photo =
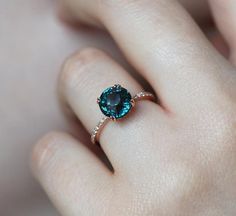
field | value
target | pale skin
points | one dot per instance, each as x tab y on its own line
30	63
173	158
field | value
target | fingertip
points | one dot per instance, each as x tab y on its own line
44	151
68	172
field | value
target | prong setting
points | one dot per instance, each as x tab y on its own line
113	118
117	86
132	102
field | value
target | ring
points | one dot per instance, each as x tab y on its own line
115	103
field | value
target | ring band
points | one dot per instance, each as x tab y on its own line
115	102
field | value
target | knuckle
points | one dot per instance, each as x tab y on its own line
219	133
76	66
44	150
180	180
183	173
188	182
217	123
227	134
225	120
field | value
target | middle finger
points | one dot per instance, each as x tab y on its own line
84	77
162	41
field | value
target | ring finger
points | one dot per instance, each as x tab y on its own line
85	75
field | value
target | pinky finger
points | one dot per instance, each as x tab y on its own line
74	179
225	15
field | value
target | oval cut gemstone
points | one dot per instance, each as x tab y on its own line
115	102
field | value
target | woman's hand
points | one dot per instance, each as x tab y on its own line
175	158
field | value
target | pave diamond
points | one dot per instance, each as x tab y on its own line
115	102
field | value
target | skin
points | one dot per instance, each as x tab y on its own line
173	158
28	110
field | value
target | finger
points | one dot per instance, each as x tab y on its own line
161	40
85	75
71	175
199	10
225	16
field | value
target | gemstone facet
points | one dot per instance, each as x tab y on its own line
115	102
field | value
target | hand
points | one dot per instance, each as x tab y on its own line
175	158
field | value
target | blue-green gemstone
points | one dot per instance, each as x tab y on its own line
115	102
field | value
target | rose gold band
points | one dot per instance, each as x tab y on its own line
97	130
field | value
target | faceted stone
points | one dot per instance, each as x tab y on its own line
115	102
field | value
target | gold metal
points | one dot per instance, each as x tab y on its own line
132	102
113	118
116	86
144	96
97	130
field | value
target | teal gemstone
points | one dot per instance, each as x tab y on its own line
115	102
